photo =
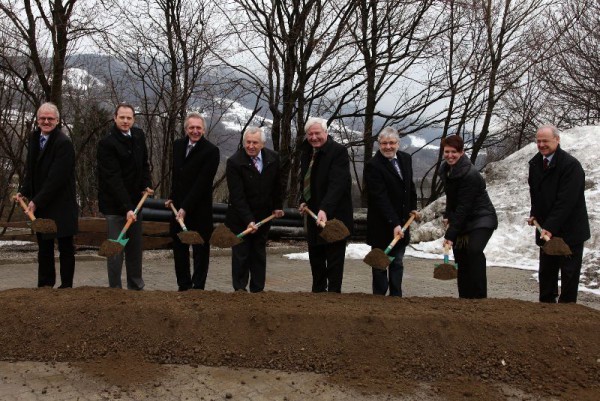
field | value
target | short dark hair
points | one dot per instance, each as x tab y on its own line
454	141
124	105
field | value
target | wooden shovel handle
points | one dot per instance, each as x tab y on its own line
404	228
180	221
24	206
260	223
539	228
314	216
136	211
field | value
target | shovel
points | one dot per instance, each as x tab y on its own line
554	246
446	270
223	237
112	247
333	231
379	259
186	236
42	226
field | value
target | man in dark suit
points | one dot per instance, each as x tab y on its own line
50	184
195	163
392	197
123	176
254	182
556	187
326	189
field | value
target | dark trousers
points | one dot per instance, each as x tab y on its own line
181	254
327	266
570	269
472	279
391	277
46	269
132	253
249	261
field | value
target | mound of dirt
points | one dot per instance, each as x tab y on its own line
384	345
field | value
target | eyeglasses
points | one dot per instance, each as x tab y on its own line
49	119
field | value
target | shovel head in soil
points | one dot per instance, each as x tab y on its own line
190	238
446	270
44	226
223	237
378	259
556	246
112	247
334	231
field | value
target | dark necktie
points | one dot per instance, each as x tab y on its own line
397	167
546	163
189	149
306	191
43	140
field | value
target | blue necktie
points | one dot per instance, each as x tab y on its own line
43	140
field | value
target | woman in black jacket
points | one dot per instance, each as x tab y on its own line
470	215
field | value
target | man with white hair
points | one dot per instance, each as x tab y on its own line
195	163
255	192
556	187
326	189
49	183
392	197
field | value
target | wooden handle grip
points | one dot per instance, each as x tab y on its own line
260	223
25	209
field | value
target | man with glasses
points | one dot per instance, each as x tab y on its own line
392	197
49	183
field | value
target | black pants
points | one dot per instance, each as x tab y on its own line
327	266
570	269
472	279
392	276
249	261
46	269
181	254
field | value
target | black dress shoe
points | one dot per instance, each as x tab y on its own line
65	286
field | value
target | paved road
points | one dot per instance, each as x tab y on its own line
284	275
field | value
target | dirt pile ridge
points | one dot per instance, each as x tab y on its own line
379	344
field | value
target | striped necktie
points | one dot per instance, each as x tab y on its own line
306	191
256	164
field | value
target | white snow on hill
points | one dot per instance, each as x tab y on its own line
513	245
81	79
418	142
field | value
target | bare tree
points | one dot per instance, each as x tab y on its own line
162	47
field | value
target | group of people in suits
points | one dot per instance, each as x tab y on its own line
255	192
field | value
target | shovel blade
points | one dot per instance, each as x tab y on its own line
122	241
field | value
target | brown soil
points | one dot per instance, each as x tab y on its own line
557	247
382	345
110	248
377	258
190	237
334	231
222	237
44	226
445	271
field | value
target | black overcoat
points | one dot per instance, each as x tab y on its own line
468	205
391	198
252	195
557	197
123	171
331	185
50	181
192	183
